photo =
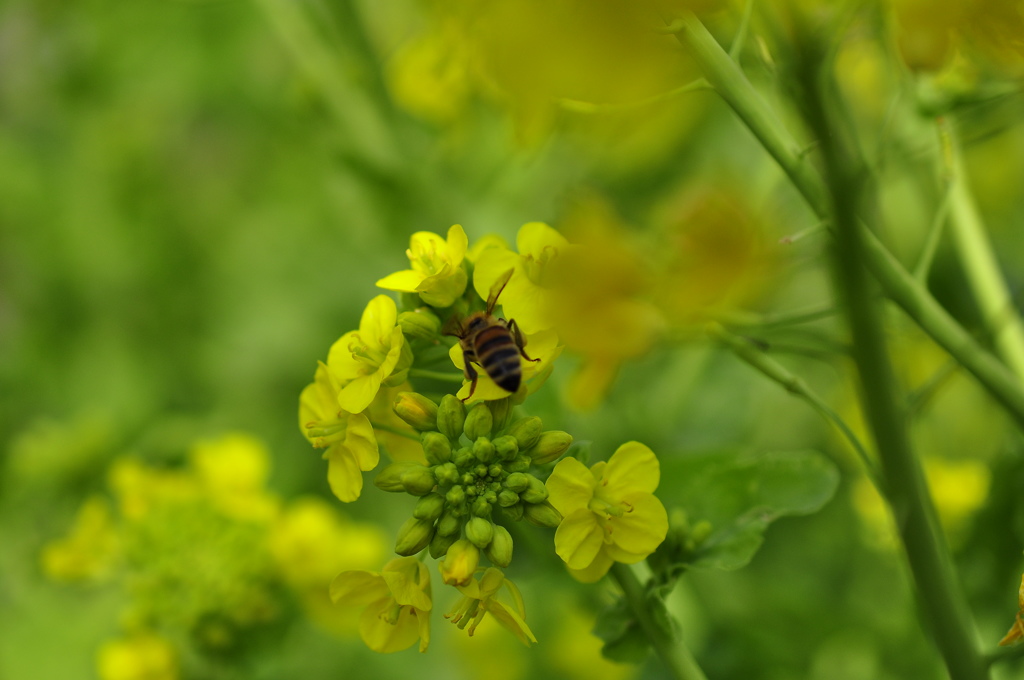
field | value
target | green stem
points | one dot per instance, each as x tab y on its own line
795	386
940	596
446	376
982	268
900	286
673	653
780	319
394	430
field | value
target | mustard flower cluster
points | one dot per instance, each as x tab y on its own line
438	383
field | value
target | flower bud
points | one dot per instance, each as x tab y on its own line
414	536
501	412
507	497
526	431
514	512
460	563
456	495
418	480
499	551
479	531
478	423
417	410
550	445
535	492
463	458
451	416
506	447
449	525
481	507
429	507
483	450
520	464
421	324
518	481
439	544
446	474
542	514
494	471
436	447
390	477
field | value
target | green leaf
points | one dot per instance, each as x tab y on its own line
740	494
624	639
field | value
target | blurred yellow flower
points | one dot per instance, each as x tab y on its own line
522	300
233	471
89	551
575	652
396	603
610	511
142	656
437	273
480	597
361	361
348	438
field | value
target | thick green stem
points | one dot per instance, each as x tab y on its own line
939	594
899	285
446	376
974	250
674	653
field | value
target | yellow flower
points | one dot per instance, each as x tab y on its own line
480	597
1017	630
348	438
233	470
523	298
610	511
90	549
437	273
144	656
542	345
396	603
360	361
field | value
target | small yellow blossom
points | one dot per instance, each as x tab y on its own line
610	511
480	597
144	656
542	345
90	549
1016	632
361	361
437	273
396	603
523	298
348	438
233	470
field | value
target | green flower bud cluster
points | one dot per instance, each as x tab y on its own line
478	471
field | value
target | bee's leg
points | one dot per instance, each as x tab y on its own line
471	376
520	341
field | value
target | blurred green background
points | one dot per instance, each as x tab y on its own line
196	199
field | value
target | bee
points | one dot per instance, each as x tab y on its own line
494	343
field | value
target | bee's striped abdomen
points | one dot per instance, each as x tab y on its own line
497	353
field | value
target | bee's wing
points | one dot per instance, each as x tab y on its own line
499	285
453	326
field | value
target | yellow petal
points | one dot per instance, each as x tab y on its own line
591	383
570	486
341	365
358	588
491	264
343	475
482	244
457	244
359	393
597	569
534	237
512	622
406	281
384	637
361	443
406	591
633	467
579	538
641	529
378	320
